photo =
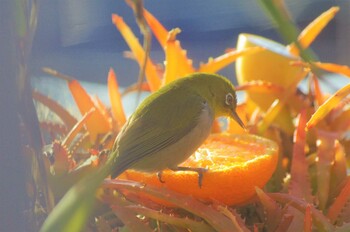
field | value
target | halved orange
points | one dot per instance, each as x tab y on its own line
273	64
235	163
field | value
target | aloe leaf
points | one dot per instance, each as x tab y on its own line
74	208
279	14
211	215
325	160
234	217
339	170
76	129
300	185
218	63
339	204
273	211
308	219
138	51
129	216
285	223
328	105
115	99
61	112
320	221
97	123
72	211
343	228
188	223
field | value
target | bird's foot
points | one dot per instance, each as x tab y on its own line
200	172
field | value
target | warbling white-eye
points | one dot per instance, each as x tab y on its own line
172	123
164	131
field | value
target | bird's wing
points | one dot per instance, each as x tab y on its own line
150	133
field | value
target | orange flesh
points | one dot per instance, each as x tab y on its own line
235	163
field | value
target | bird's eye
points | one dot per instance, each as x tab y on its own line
229	99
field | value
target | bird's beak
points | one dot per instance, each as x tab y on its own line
235	116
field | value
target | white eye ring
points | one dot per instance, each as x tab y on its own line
229	99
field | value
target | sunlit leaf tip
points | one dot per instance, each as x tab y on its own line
115	98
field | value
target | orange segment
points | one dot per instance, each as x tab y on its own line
235	163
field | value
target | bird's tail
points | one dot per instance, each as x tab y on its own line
116	172
114	165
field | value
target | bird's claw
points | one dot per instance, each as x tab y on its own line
199	171
159	175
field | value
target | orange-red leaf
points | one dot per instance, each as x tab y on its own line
340	122
273	211
308	35
308	219
319	219
339	203
300	185
136	87
276	108
115	98
335	68
317	91
62	163
339	169
136	48
214	65
97	122
128	216
286	222
157	28
76	128
234	217
260	86
103	109
325	156
171	64
211	215
328	105
177	63
61	112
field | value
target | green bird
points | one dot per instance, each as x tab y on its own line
172	123
163	132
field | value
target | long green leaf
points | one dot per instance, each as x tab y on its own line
71	213
279	14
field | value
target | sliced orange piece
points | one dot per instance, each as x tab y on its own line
235	163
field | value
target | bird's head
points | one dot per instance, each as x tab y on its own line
221	95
